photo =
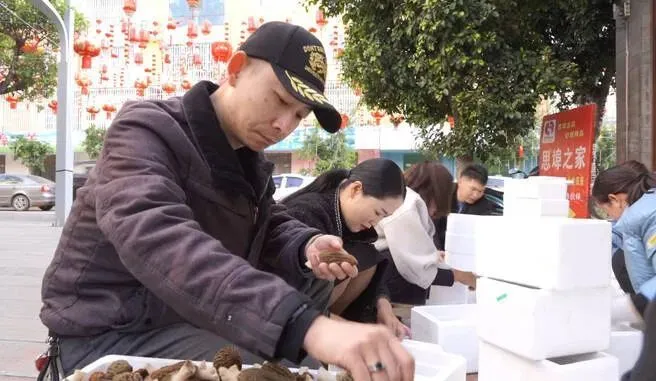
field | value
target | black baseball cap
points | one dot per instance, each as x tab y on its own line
299	61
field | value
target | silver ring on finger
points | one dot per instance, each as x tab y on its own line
376	367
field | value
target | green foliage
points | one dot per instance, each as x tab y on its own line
606	147
329	151
32	153
485	62
30	74
93	141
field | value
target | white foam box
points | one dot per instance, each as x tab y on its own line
461	262
539	324
535	187
548	252
495	364
459	243
535	207
453	327
625	344
463	224
456	294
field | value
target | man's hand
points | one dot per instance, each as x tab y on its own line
387	318
322	244
357	347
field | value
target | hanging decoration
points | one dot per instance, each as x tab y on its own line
221	51
53	105
109	109
396	119
87	50
377	115
345	121
93	110
129	7
12	100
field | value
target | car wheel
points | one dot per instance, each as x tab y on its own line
20	202
45	208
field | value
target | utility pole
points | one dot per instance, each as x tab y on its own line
64	156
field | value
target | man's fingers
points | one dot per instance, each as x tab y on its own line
350	270
404	359
337	271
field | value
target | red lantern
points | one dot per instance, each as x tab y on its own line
520	152
144	38
452	122
30	46
221	51
129	7
186	85
192	30
13	101
53	105
109	109
197	60
252	27
167	58
396	119
141	86
168	88
206	28
93	110
87	50
321	19
84	82
377	115
312	29
193	3
138	58
171	25
345	121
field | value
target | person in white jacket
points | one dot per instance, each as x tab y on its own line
408	237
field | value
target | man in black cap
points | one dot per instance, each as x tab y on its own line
162	253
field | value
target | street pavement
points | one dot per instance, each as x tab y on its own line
27	242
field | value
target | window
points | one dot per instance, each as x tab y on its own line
8	180
277	180
294	182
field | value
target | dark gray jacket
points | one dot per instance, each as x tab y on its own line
171	226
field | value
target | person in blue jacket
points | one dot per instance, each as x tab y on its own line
628	196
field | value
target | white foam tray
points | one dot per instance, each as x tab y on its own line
534	207
495	364
625	344
453	327
431	363
456	294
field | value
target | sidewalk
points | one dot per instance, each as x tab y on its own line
26	248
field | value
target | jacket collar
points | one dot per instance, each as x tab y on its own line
245	169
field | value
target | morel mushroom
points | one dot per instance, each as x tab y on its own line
98	376
250	374
166	371
206	372
227	357
186	371
118	367
338	257
127	376
229	374
276	371
344	376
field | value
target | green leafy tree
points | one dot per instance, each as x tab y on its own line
28	45
484	62
329	151
477	60
93	141
32	153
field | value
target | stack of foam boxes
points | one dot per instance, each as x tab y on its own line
460	254
544	299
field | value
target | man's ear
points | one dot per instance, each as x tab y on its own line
236	64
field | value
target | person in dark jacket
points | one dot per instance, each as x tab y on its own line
161	255
407	237
645	367
349	204
468	198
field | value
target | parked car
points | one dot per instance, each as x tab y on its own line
288	183
22	192
81	171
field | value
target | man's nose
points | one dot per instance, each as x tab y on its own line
285	124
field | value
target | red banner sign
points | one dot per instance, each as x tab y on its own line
566	151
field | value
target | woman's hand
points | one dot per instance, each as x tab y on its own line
387	318
465	277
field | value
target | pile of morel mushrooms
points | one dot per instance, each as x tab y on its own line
227	366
